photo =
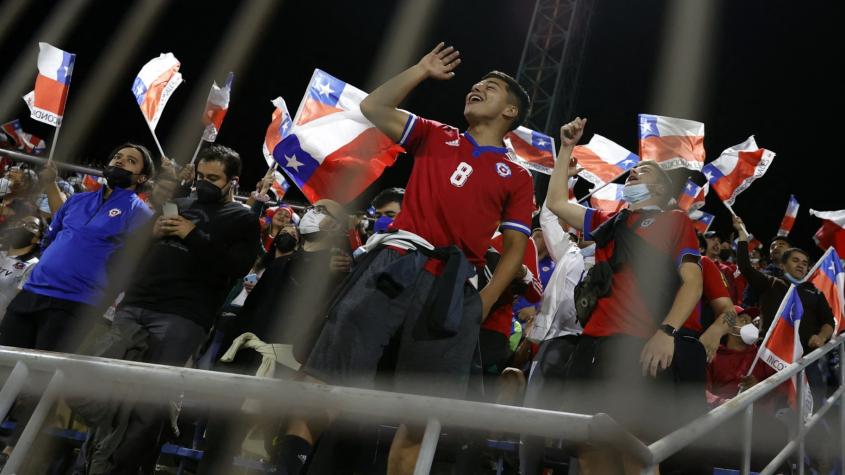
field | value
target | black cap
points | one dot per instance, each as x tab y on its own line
710	234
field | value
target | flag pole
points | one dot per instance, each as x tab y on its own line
591	193
197	151
53	145
155	138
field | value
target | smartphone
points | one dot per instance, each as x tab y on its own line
251	278
170	210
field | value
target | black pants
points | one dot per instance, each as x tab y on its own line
172	341
45	323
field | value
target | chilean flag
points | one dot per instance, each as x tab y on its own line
155	84
671	142
23	141
279	186
829	277
692	197
533	149
603	160
781	346
832	232
333	151
789	217
701	220
278	129
608	198
93	183
216	108
736	168
47	101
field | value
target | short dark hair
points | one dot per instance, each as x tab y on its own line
389	195
517	93
220	153
149	167
789	252
780	238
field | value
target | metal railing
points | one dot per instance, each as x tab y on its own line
82	376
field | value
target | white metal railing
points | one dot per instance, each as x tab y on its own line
84	376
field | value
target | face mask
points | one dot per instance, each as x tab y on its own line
791	279
208	192
634	194
117	177
382	223
285	243
589	251
725	255
749	333
310	223
18	238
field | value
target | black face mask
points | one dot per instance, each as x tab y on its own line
285	243
725	255
208	192
18	238
117	177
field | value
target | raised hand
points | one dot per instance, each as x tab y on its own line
441	62
571	133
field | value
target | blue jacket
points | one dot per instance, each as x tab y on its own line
84	234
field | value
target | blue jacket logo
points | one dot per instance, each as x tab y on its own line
114	212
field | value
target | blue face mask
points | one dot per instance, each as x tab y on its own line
382	223
634	194
791	279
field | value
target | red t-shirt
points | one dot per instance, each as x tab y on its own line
501	318
735	287
728	368
459	192
623	310
714	287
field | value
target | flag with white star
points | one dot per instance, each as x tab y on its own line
332	150
23	141
789	217
47	101
603	160
701	220
692	197
829	277
736	168
155	84
671	142
534	150
279	128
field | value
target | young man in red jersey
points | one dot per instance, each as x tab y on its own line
463	188
645	284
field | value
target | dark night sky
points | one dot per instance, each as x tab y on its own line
772	74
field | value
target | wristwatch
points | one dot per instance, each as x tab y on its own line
669	330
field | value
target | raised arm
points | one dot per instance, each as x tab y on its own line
380	107
557	199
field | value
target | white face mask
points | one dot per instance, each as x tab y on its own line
589	250
749	333
310	222
634	194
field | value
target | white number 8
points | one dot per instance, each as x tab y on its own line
459	177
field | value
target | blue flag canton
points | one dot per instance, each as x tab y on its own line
712	173
793	310
66	68
139	89
691	189
706	218
297	163
326	88
541	141
831	266
629	162
648	126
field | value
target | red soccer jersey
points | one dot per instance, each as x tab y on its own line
460	192
714	287
623	311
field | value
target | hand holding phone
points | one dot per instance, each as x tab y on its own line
170	210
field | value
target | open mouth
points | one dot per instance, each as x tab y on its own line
474	98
